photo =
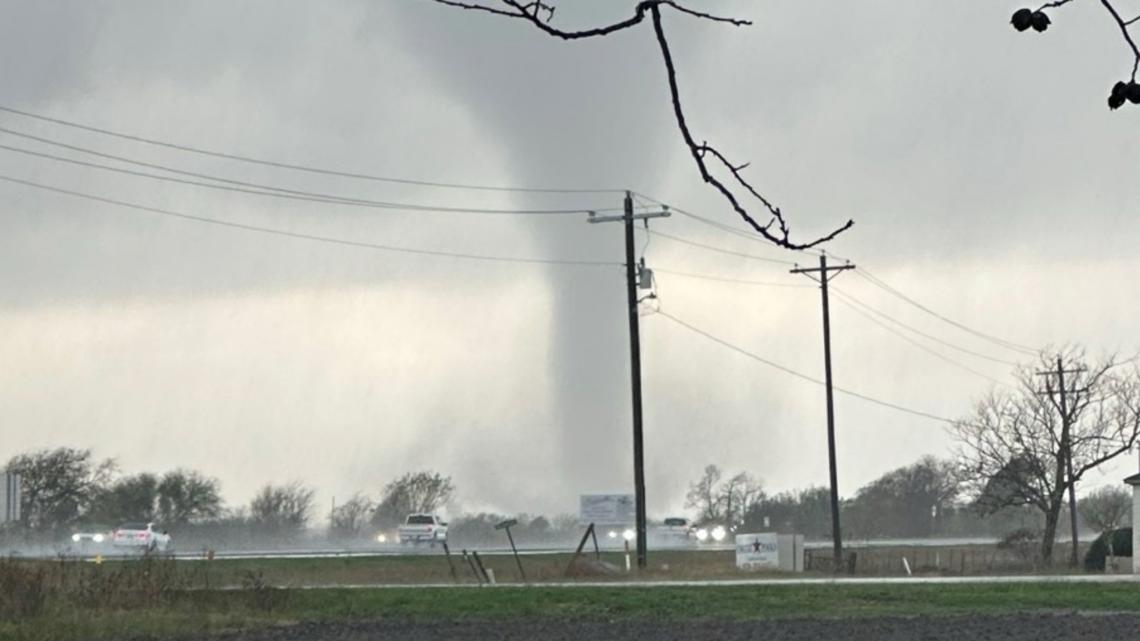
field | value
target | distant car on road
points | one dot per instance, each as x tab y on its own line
422	528
142	537
712	533
676	529
83	537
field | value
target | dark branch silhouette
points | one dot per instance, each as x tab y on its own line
479	7
776	228
1127	35
1122	91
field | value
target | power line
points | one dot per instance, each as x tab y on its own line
862	272
297	167
713	248
792	372
920	345
279	192
723	279
852	300
289	234
1010	345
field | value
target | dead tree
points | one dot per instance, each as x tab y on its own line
1016	449
774	227
1038	20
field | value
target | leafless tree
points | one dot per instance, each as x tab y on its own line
1105	510
349	518
738	495
419	492
1015	449
704	497
774	226
282	509
724	501
1039	21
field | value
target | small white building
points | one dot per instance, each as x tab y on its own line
1134	481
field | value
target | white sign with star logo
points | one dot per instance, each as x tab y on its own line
757	551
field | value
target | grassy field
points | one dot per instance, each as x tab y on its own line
435	569
183	613
73	599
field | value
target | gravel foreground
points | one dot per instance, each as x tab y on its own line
1027	627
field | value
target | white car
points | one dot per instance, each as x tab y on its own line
422	528
143	537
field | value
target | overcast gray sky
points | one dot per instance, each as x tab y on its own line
986	177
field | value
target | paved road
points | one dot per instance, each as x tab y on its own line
108	552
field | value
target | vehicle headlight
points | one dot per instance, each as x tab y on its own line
629	535
75	537
718	533
381	538
612	534
702	534
98	538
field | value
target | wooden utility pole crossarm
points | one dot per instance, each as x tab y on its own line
823	275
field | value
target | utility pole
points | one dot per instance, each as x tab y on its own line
633	269
1066	447
824	272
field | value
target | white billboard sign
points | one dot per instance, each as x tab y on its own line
609	509
758	551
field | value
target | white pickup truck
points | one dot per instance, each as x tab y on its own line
422	528
676	530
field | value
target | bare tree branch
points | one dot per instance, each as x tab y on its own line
1127	36
1039	20
479	7
521	12
776	228
697	14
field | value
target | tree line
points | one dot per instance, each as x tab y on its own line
68	489
1019	457
926	499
